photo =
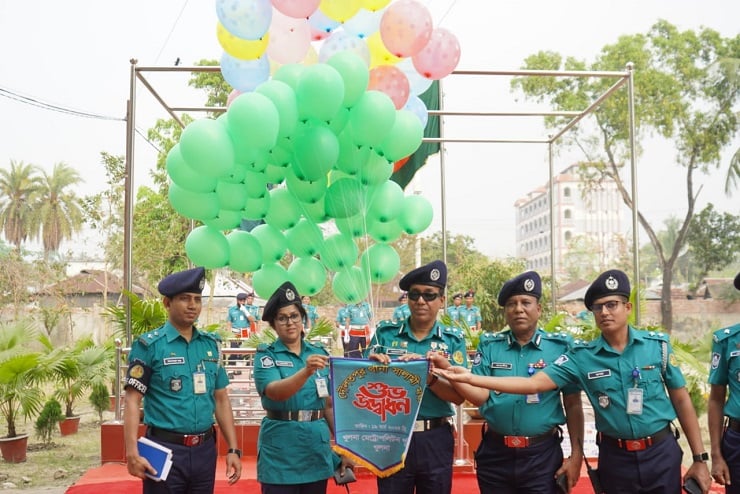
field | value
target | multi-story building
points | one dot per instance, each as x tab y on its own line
593	217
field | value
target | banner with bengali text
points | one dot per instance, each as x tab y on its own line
375	407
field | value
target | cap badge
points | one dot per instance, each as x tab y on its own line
434	275
611	283
290	294
528	285
202	283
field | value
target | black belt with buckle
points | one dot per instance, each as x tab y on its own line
519	441
178	438
423	425
638	444
733	425
295	415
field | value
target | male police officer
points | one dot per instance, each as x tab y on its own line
238	321
625	374
520	451
358	316
428	464
402	311
724	434
470	313
454	310
178	369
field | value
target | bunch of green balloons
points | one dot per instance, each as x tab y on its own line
306	148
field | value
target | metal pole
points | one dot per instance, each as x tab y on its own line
117	384
442	186
552	226
633	169
128	205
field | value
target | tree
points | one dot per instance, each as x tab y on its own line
57	212
18	187
714	240
680	97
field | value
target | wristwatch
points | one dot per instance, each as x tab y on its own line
238	452
704	457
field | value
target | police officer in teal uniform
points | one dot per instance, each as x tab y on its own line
428	464
470	313
359	316
454	310
237	319
724	412
401	312
520	452
253	312
178	368
636	388
292	377
312	315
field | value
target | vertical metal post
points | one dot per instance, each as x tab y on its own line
633	168
552	224
117	384
128	205
443	185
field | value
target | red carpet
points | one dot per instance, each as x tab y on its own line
112	478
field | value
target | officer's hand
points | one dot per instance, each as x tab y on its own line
438	360
455	373
316	362
233	468
720	471
409	356
700	472
138	466
380	357
572	470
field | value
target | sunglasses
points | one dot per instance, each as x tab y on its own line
427	296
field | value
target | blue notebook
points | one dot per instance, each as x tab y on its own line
159	457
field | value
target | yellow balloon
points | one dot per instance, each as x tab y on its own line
379	54
340	10
374	5
243	49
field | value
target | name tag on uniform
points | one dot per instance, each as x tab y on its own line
321	388
634	401
501	365
199	383
174	361
395	351
599	374
283	363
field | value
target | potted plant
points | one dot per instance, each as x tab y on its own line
48	419
21	373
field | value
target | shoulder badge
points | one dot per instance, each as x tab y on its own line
724	333
148	338
458	357
453	331
655	335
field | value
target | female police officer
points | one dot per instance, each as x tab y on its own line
291	375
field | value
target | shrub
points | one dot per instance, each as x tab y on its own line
48	419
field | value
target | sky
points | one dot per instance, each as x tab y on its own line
76	55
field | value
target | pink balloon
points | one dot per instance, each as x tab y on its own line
391	81
439	57
296	8
289	39
405	28
232	96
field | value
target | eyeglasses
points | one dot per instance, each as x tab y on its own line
610	306
295	318
427	296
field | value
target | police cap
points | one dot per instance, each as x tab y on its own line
737	281
612	282
403	296
434	274
470	293
285	295
456	296
241	296
528	283
188	281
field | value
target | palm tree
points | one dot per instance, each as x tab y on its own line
58	211
18	187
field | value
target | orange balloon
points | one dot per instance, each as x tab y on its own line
399	164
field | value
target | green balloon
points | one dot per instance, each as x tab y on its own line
289	74
354	72
416	214
255	159
384	232
184	176
272	241
354	226
282	154
315	151
371	118
305	190
344	198
268	278
226	220
405	136
256	208
385	202
351	156
275	174
340	121
283	97
193	205
376	170
339	252
380	262
207	247
284	210
350	285
254	120
255	184
319	93
246	251
305	239
231	196
315	211
207	148
236	174
308	275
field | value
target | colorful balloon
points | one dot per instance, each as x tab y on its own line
379	54
296	8
243	49
391	81
248	19
289	38
439	57
406	27
364	23
339	41
245	75
339	10
207	247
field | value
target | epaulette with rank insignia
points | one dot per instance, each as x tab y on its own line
386	324
724	333
560	337
656	335
148	338
261	347
579	344
451	330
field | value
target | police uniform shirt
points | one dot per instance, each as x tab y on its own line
501	355
471	316
725	369
454	312
342	315
359	314
253	310
162	367
606	376
291	452
401	312
396	339
238	317
311	314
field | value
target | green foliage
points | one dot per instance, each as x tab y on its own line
100	399
266	336
48	419
146	315
714	239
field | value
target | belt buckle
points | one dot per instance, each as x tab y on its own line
516	441
304	415
191	439
419	426
635	444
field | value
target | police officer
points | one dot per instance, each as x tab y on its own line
454	310
428	464
724	414
238	320
178	369
253	314
636	387
402	311
358	320
520	451
312	314
292	378
470	313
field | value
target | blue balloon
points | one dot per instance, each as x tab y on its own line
245	75
246	19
